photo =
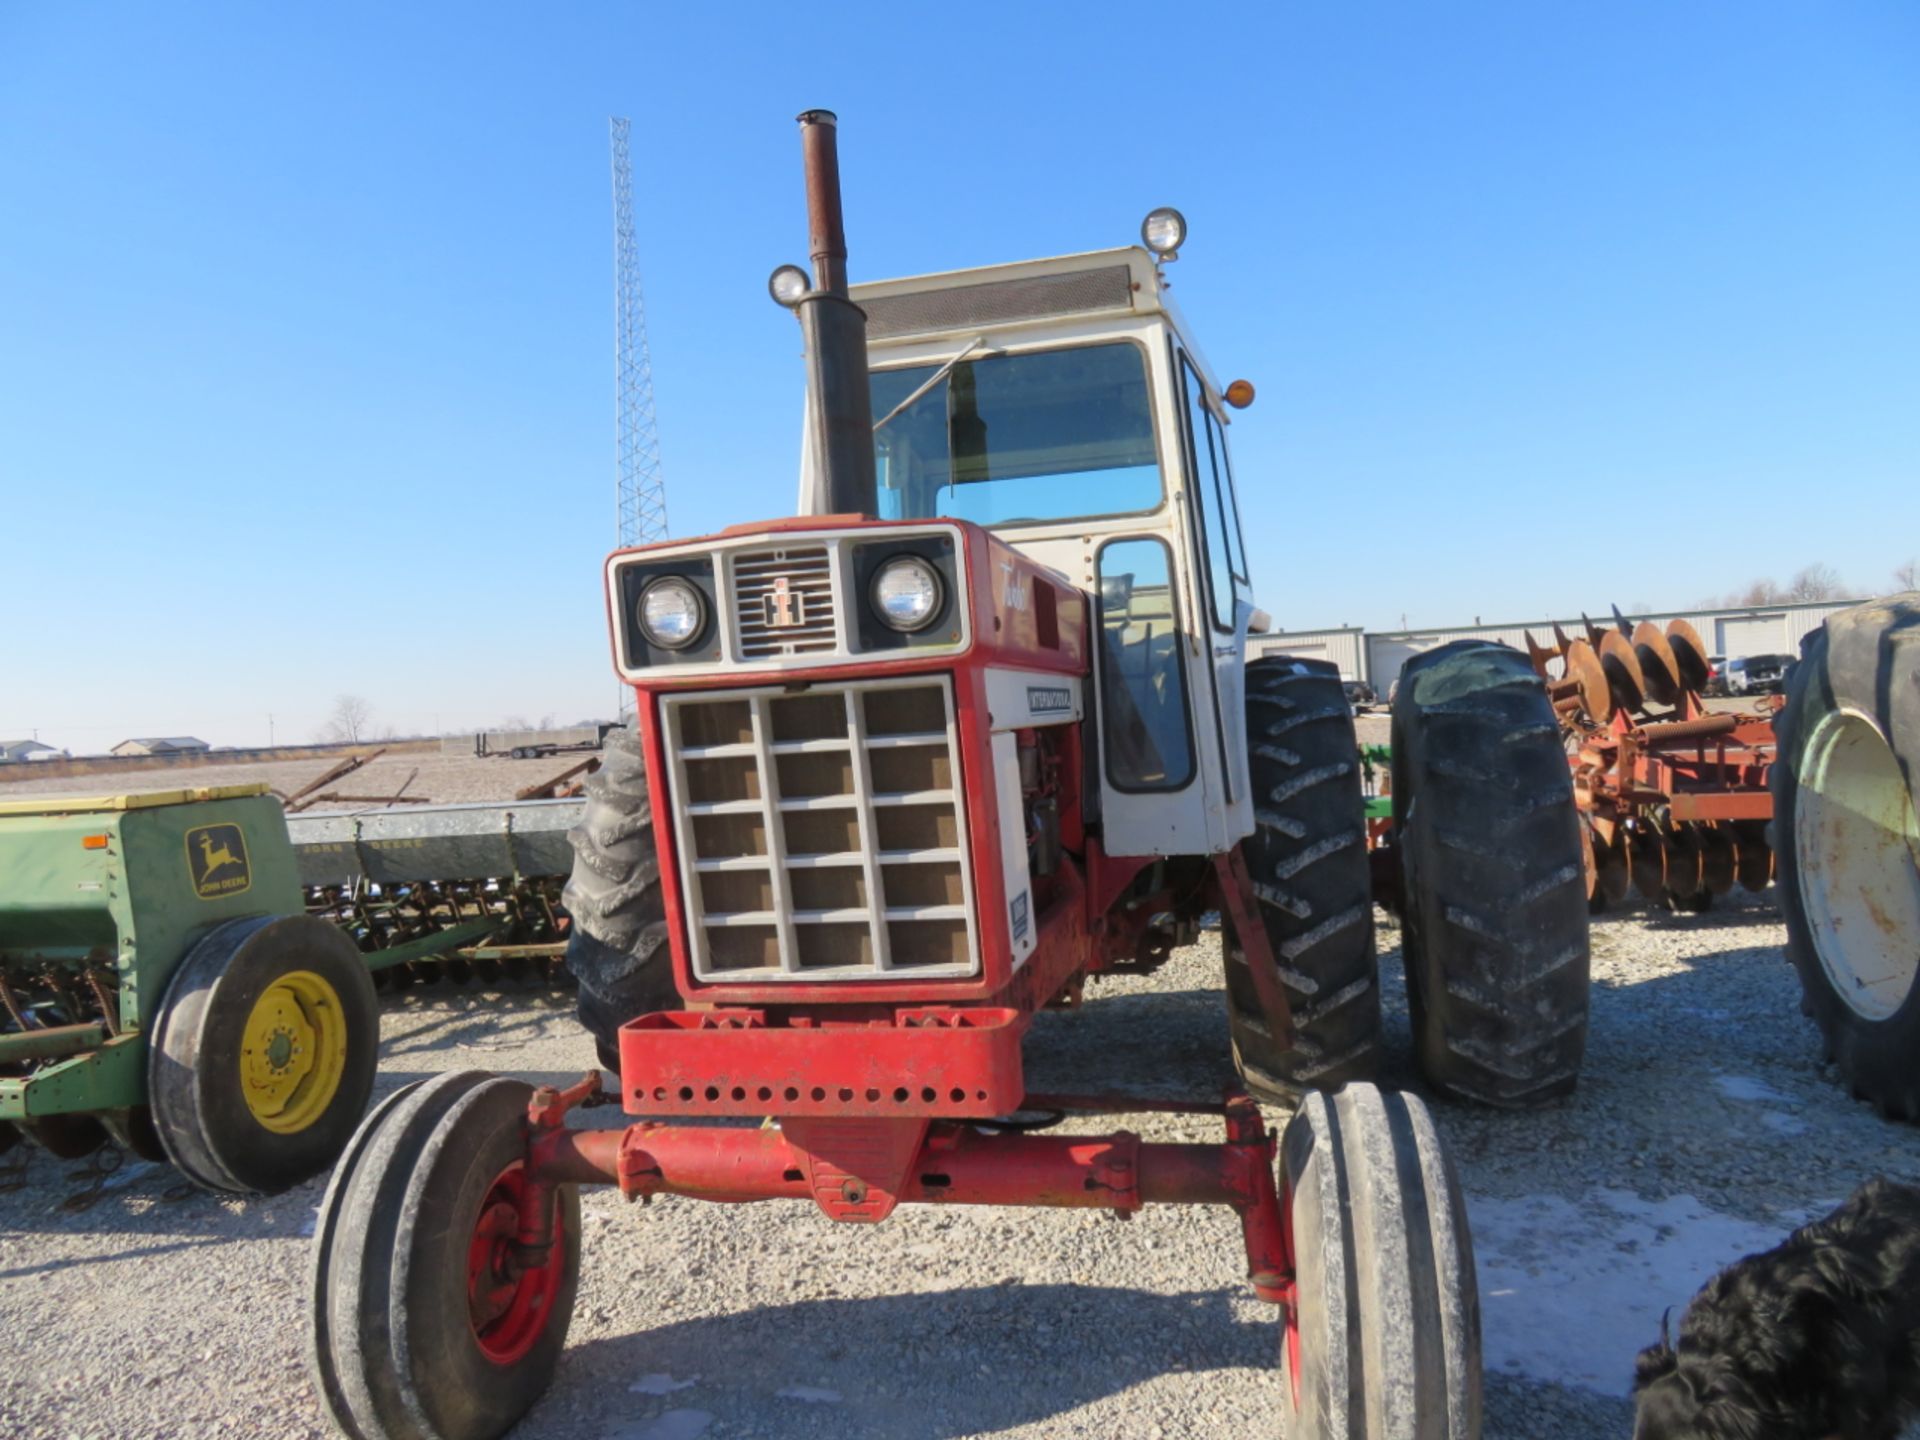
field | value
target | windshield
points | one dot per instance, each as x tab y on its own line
1007	439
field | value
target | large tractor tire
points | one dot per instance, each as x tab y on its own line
1493	869
425	1326
617	949
1308	860
1384	1339
1847	846
263	1053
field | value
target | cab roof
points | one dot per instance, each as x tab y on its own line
1093	285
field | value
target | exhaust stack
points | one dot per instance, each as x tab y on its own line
839	405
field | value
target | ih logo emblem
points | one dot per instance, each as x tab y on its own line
786	606
217	861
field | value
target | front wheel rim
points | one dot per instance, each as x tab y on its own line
509	1304
1857	849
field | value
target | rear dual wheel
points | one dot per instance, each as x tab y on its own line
1313	889
1493	862
1383	1341
427	1323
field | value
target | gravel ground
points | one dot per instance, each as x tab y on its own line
1704	1128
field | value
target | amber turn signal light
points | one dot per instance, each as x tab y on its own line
1240	394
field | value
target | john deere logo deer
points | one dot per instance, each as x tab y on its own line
217	861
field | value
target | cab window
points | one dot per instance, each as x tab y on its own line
1143	680
1213	492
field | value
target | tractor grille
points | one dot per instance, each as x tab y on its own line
783	601
822	834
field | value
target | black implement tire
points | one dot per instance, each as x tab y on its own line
405	1345
618	948
1388	1311
222	1120
1847	845
1494	876
1308	860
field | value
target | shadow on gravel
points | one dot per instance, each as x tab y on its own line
477	1024
138	1252
914	1367
1522	1409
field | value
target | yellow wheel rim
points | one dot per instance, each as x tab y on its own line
293	1052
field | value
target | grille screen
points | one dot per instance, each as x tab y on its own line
998	301
783	601
822	834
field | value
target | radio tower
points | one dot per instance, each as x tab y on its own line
641	505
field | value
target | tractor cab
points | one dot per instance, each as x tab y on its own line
1063	405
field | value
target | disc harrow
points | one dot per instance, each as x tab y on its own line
1674	798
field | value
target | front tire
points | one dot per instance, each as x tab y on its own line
618	946
1493	866
1312	883
421	1330
1385	1339
1847	845
263	1053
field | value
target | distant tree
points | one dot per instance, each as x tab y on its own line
1907	576
350	721
1815	582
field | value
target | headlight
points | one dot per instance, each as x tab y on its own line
672	613
789	285
906	593
1164	231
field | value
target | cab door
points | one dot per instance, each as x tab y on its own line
1225	600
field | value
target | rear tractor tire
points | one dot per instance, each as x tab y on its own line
1307	857
424	1325
1847	845
1493	868
1384	1339
263	1054
617	949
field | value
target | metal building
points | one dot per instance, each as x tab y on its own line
1345	647
1377	656
1732	632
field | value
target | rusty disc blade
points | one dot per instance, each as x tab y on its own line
1647	858
1658	663
1689	653
1753	857
1683	863
1717	859
1623	670
1615	869
1539	656
1584	668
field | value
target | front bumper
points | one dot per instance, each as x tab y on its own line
917	1063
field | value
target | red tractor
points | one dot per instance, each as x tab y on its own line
913	766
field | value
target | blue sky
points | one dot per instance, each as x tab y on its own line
305	312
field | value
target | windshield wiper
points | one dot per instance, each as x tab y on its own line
932	380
